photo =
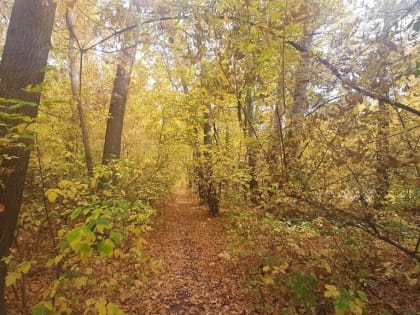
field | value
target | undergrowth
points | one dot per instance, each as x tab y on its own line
89	238
316	267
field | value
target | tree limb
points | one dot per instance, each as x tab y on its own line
364	223
360	89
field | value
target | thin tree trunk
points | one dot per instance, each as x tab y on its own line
198	170
252	152
23	63
208	181
382	154
382	135
75	79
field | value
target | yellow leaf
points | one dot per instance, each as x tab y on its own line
61	8
54	287
268	279
113	309
51	195
355	308
140	242
61	305
12	277
332	291
118	253
107	193
326	266
57	259
266	268
100	306
135	230
412	282
80	282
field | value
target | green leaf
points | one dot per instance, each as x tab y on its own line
101	224
48	103
75	214
113	309
85	250
24	266
43	308
106	247
74	236
362	296
115	236
28	136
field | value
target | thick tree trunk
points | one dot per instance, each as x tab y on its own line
115	122
75	78
298	107
23	63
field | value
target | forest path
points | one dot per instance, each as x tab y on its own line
195	277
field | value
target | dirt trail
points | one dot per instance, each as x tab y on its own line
195	278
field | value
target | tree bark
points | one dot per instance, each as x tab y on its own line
208	181
23	64
115	122
382	154
382	183
298	108
252	151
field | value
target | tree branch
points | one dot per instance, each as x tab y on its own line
365	224
128	28
361	90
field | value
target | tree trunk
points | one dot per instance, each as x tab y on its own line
115	122
75	79
382	154
382	182
208	181
198	172
23	63
298	108
252	151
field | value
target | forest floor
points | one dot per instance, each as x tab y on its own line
196	277
186	268
194	273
